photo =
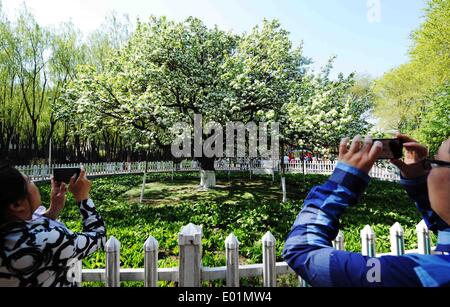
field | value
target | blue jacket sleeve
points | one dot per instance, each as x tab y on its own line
308	249
417	189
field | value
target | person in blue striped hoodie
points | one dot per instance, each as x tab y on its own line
308	249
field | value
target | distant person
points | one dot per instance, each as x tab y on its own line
291	158
35	249
308	249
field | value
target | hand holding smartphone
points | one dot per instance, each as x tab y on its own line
392	148
65	173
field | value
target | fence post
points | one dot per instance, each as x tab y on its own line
423	238
269	268
112	263
338	242
283	187
302	283
151	262
141	197
232	256
397	240
368	242
190	243
75	273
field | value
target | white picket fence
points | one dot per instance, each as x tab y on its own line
191	273
388	173
40	173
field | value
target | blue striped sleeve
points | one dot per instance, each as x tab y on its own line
308	248
318	221
417	189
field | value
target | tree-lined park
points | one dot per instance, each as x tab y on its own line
116	97
114	94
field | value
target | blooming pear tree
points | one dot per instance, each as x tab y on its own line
170	72
323	111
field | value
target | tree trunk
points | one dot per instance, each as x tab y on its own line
77	148
207	173
35	139
283	173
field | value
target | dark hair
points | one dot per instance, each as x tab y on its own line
13	187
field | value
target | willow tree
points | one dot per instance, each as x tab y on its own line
413	96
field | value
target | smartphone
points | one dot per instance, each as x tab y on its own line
392	148
65	173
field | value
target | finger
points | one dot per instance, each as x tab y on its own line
399	163
72	180
63	188
375	151
343	147
61	194
82	175
415	151
53	182
356	144
368	142
414	146
405	138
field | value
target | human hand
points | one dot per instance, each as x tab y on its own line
411	166
57	199
81	187
359	155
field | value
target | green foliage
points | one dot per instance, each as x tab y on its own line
431	42
324	111
167	72
435	127
382	205
36	64
414	97
170	71
399	101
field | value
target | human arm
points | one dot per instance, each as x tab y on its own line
57	200
308	248
414	180
79	245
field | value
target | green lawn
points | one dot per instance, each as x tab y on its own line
227	191
248	208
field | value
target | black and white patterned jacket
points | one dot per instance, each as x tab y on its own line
40	252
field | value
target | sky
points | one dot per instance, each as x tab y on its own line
367	36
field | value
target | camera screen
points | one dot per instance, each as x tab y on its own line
64	174
392	149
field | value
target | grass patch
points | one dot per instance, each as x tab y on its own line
248	208
227	191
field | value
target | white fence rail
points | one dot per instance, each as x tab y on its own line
389	173
191	273
43	172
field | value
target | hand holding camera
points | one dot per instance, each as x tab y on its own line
364	156
360	155
57	199
411	166
80	187
76	178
